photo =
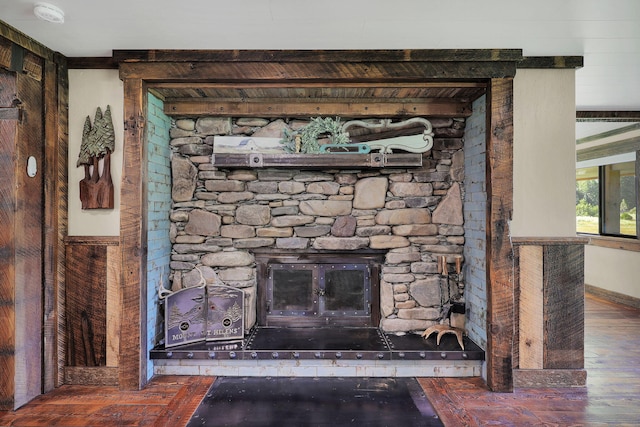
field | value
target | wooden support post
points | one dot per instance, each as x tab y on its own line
500	287
133	343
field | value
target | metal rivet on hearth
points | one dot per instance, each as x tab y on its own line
338	355
190	355
212	355
275	355
401	355
254	355
296	355
232	355
380	356
170	354
465	356
318	355
359	356
422	355
443	355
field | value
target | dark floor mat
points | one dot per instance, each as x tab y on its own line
303	401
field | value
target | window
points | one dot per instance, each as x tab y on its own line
607	197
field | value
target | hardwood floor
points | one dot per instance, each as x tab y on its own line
611	398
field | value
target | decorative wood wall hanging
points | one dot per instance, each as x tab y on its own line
98	142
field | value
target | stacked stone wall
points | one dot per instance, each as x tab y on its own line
219	216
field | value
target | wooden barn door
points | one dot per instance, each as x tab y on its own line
21	237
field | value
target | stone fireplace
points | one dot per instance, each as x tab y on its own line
253	227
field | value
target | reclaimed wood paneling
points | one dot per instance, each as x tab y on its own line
86	304
21	220
564	306
551	310
44	74
92	310
500	286
55	211
531	301
29	243
8	146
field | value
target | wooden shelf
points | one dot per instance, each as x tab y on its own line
317	161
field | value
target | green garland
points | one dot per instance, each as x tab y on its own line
305	140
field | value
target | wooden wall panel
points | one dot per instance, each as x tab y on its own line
29	242
86	299
564	306
92	310
551	312
8	134
531	324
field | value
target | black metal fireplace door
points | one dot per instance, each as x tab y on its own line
318	294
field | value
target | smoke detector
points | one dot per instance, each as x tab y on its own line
48	12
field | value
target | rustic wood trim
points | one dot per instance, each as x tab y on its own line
334	85
114	311
612	116
93	240
61	143
8	180
548	241
549	378
98	375
28	43
92	63
622	243
313	71
551	62
346	108
500	285
406	55
132	373
613	296
55	211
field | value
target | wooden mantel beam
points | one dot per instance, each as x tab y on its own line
295	108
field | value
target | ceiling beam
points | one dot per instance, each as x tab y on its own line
295	108
310	72
323	56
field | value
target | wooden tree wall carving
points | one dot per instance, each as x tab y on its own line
98	142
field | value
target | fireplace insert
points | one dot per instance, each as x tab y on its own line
318	289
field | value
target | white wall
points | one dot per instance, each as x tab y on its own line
614	270
544	156
88	90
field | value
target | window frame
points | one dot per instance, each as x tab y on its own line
600	149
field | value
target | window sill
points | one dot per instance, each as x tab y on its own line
614	242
